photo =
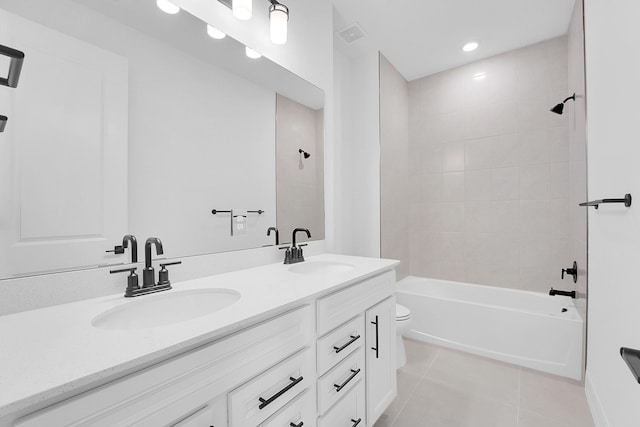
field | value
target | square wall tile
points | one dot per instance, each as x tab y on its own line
453	157
453	188
534	182
478	185
453	216
505	184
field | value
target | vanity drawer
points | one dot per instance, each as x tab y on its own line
335	309
300	412
337	382
338	344
258	399
349	412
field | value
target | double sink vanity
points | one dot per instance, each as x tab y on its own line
311	344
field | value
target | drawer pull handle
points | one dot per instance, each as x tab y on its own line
377	340
356	422
296	425
352	376
353	339
265	402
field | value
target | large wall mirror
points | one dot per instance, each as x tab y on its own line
127	120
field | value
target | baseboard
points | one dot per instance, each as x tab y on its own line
595	405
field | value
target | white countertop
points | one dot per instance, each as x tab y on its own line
52	351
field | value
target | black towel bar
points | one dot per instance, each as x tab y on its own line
595	203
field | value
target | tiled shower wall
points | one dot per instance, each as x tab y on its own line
489	171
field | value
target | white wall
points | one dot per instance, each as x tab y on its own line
613	153
358	139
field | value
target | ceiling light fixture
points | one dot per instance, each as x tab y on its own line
167	7
242	9
470	47
251	53
215	33
278	18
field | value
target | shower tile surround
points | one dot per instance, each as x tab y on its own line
489	188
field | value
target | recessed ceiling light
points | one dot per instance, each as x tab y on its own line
470	47
167	7
215	33
251	53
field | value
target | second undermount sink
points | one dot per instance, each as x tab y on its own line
321	267
165	309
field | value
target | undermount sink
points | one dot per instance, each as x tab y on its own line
321	267
165	309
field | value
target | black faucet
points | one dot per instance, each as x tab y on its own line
148	275
129	238
571	294
299	230
294	254
277	234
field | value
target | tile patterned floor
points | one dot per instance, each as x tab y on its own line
439	387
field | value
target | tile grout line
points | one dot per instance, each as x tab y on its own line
414	388
519	392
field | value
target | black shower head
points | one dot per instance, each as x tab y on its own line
3	122
558	109
306	155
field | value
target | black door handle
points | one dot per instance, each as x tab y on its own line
296	425
265	402
353	339
377	341
356	422
352	376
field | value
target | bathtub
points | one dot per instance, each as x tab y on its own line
529	329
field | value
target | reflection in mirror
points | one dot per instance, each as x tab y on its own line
300	172
131	121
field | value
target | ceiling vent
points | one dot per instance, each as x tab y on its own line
351	33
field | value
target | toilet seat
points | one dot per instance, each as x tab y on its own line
402	313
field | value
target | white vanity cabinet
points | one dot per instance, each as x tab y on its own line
357	380
330	362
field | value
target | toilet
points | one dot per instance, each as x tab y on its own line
403	321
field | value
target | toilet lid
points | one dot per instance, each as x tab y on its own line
402	312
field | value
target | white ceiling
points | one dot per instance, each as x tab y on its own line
422	37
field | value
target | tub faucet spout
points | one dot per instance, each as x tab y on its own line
554	292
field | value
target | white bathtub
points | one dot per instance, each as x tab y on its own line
524	328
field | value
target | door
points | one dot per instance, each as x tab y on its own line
63	155
380	357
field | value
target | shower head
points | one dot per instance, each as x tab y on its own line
3	122
304	153
558	109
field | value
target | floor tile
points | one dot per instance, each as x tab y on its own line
419	356
529	419
477	375
555	398
442	406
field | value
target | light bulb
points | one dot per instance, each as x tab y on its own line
278	17
251	53
242	9
167	7
215	33
471	46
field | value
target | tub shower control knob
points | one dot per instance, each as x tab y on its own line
571	271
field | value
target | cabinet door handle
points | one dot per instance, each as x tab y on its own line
352	376
296	425
377	341
353	339
265	402
356	422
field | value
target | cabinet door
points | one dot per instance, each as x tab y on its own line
380	357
